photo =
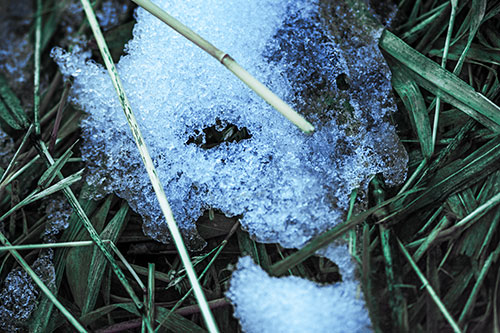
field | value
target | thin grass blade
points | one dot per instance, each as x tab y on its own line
36	76
478	106
148	163
430	290
98	262
11	106
43	287
225	59
48	176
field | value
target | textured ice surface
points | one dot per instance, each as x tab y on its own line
58	212
6	149
287	185
15	46
19	294
108	14
292	304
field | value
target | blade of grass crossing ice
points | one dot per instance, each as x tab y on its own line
322	240
148	163
42	285
230	64
77	208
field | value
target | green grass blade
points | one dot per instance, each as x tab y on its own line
6	116
76	324
477	52
322	240
491	232
453	14
61	185
19	172
78	260
414	102
205	270
496	320
467	221
492	258
36	76
427	241
478	106
77	208
148	163
11	106
98	263
411	35
478	10
175	322
75	244
41	319
151	295
127	265
457	176
48	176
16	155
429	289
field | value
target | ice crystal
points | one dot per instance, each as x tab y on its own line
6	149
15	46
58	212
19	296
292	304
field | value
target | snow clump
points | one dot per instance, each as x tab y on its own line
292	304
288	186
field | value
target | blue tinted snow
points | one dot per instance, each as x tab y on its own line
288	186
292	304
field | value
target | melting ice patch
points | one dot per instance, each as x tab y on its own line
288	186
291	304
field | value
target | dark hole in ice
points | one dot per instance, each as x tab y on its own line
210	137
342	82
214	223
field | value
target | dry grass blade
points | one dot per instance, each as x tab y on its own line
261	90
148	163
